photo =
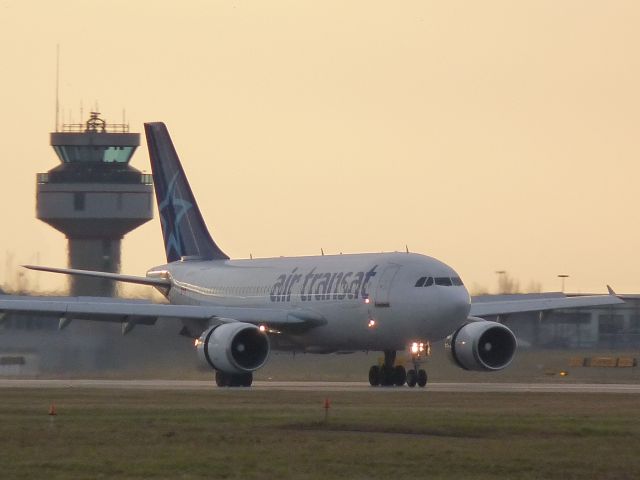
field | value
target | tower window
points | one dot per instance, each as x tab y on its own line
79	201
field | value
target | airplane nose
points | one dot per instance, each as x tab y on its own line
458	303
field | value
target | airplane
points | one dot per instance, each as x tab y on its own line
237	311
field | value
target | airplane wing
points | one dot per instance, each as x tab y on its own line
145	312
507	304
141	312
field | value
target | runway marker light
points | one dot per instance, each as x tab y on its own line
326	406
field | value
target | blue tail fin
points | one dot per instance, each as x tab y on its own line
183	228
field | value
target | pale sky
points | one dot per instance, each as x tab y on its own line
493	135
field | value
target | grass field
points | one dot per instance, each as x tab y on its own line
270	434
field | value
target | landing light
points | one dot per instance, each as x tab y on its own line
367	301
262	328
372	323
197	342
420	348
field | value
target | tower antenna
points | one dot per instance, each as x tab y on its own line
57	85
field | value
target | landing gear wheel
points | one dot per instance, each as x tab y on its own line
399	376
246	379
374	376
422	378
386	376
223	379
412	378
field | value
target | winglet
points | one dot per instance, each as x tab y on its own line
611	292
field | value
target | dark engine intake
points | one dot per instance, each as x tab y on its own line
233	347
482	346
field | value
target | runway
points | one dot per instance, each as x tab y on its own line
326	386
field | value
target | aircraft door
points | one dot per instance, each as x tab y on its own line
384	285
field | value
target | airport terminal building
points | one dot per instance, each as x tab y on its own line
614	327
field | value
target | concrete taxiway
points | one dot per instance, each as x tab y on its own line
326	386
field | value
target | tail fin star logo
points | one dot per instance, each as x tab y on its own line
172	209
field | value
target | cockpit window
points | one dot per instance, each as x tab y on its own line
457	281
443	281
424	282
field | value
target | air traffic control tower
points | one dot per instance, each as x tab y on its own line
94	197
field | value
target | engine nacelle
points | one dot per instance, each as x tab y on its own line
233	347
482	346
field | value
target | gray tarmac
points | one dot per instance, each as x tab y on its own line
326	386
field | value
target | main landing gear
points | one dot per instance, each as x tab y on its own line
224	379
388	374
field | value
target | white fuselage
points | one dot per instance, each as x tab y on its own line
366	301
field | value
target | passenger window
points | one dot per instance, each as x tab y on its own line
443	281
420	281
429	282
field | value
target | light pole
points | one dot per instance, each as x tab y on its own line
500	274
563	276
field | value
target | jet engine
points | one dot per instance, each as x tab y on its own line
233	348
482	346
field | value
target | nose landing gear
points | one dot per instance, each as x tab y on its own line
419	353
417	376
